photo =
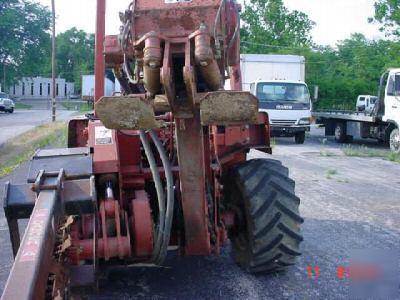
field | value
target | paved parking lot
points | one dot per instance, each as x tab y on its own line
12	125
347	203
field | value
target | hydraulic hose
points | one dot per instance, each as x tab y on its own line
170	196
160	195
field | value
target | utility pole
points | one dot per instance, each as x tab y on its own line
53	63
3	88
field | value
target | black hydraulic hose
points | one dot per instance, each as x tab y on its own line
160	195
170	195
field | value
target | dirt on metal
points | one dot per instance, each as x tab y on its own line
126	113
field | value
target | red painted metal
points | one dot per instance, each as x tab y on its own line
173	43
142	225
192	168
99	57
233	33
78	133
110	219
112	247
113	51
34	261
193	188
175	40
173	19
105	149
162	38
112	243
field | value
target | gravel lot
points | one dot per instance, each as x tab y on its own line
347	203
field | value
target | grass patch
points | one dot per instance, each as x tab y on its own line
326	153
395	157
363	151
273	142
22	106
78	106
343	180
21	149
330	173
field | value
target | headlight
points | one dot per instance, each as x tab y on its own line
304	121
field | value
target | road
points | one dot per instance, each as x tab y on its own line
347	203
12	125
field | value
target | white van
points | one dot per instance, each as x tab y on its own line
366	103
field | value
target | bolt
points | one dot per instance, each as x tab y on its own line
203	63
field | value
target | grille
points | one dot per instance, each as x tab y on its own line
283	122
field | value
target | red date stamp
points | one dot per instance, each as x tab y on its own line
356	272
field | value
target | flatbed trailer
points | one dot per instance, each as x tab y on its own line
346	125
382	123
346	115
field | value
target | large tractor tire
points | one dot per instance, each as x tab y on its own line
266	236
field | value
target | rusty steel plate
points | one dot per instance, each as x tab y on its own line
228	108
126	112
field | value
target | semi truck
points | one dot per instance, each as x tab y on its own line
278	81
381	123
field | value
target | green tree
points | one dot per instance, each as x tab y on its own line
387	12
352	69
75	55
24	31
270	22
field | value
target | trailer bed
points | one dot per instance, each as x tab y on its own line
346	115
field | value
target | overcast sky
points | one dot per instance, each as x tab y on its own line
336	19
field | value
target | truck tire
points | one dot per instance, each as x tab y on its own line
300	137
395	140
11	110
340	133
266	236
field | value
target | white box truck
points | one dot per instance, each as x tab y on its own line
88	84
278	81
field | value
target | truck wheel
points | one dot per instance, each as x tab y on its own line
11	110
340	133
349	139
395	140
300	137
266	236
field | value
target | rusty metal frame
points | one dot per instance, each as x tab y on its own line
34	261
99	57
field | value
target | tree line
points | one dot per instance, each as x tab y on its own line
25	45
351	68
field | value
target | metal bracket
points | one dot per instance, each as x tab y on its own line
49	181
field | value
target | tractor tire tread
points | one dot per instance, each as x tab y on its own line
272	216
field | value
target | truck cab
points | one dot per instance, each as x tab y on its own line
279	83
391	106
288	104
